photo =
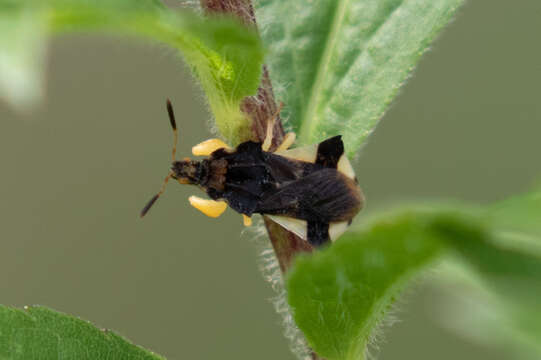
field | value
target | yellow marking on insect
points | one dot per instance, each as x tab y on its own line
267	143
306	153
207	147
268	138
246	220
344	166
289	139
211	208
296	226
336	229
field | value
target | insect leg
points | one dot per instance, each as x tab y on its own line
289	139
209	146
268	138
211	208
246	220
318	233
270	129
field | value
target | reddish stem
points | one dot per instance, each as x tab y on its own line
261	108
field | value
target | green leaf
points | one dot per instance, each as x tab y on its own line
226	57
517	221
340	294
40	333
509	272
515	274
338	65
23	35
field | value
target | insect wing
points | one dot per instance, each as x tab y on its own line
304	153
296	226
309	153
336	229
299	227
325	195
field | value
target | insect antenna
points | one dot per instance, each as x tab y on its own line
173	154
155	197
174	126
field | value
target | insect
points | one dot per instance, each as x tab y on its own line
312	191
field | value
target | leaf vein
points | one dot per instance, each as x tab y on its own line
307	118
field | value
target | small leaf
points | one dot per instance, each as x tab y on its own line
340	294
23	39
338	65
515	274
509	265
40	333
518	219
226	57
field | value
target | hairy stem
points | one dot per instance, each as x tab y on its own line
260	109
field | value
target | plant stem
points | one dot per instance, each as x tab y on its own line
261	108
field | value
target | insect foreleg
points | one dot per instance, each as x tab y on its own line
209	146
211	208
247	221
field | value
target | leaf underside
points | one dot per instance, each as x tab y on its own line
38	333
23	43
225	56
339	64
339	295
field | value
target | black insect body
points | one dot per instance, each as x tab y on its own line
312	191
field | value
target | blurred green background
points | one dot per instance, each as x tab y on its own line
77	170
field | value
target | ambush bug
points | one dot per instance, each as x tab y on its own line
312	191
